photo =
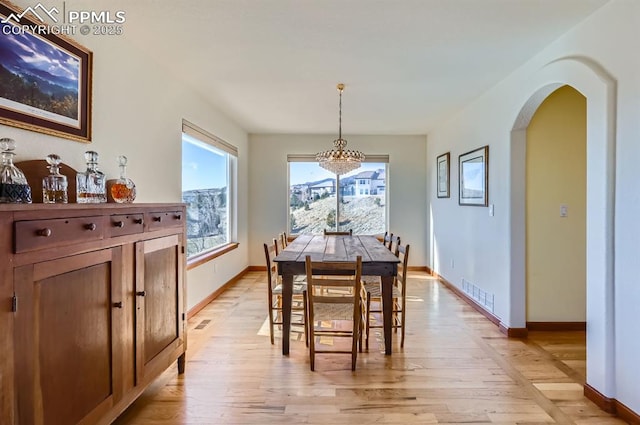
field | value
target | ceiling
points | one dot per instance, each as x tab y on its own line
273	65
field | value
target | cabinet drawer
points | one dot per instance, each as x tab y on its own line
164	219
32	235
125	224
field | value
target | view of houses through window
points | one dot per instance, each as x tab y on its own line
321	200
206	181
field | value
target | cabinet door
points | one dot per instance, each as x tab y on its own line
67	338
159	306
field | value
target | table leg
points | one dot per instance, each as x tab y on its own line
287	295
387	311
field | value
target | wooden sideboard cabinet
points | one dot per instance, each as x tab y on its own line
92	308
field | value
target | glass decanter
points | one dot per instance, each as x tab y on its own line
91	184
123	190
54	186
14	188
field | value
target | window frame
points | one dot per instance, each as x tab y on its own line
208	138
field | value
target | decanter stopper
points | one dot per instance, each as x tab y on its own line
54	186
123	190
91	184
14	188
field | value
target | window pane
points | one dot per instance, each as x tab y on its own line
312	198
313	205
205	183
362	199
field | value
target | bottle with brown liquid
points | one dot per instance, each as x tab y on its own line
54	186
123	190
91	184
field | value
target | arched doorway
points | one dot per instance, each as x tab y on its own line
599	88
556	189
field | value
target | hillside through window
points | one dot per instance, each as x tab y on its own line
207	190
321	200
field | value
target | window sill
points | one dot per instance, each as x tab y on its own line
210	255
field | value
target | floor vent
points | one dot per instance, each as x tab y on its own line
202	324
482	297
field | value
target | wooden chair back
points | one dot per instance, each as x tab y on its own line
270	251
274	293
402	252
394	242
332	233
386	241
333	291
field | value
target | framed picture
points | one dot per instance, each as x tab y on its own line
45	79
473	179
442	163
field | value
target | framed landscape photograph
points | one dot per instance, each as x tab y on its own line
442	180
45	79
473	169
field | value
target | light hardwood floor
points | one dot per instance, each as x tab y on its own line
456	367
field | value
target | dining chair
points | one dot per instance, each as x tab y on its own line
280	243
334	314
373	293
332	233
386	240
274	294
284	239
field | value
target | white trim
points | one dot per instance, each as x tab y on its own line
600	89
201	134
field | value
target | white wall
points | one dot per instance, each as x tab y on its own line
407	185
137	111
480	244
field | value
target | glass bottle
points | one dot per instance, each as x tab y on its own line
54	186
123	190
91	184
14	188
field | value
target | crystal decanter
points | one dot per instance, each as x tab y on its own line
54	186
14	188
91	184
123	190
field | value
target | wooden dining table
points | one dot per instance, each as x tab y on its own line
377	260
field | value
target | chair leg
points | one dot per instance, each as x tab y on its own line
306	319
366	324
312	347
354	348
360	325
404	321
271	323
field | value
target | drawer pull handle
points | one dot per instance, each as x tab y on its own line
46	232
138	221
158	218
119	224
117	304
141	293
178	217
91	226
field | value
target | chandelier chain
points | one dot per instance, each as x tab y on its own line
339	160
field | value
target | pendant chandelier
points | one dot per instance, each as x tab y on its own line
340	160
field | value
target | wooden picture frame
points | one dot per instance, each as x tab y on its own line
473	178
45	79
443	175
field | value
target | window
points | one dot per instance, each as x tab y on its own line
321	200
208	179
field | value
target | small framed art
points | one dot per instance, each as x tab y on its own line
473	179
442	165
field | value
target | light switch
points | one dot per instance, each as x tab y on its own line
491	210
563	211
